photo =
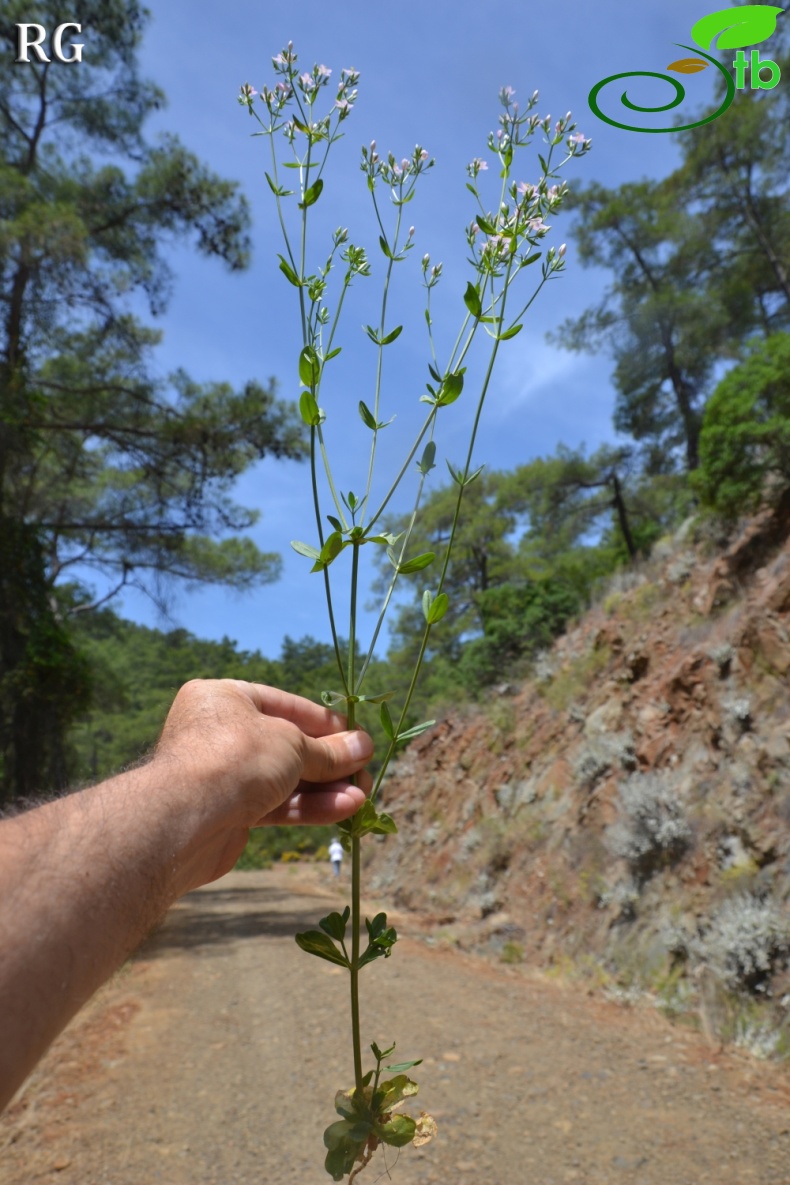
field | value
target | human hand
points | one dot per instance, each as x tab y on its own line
242	755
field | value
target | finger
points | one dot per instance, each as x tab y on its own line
313	719
326	805
327	758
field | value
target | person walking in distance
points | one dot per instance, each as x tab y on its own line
336	855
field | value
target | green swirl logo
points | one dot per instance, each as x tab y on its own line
735	28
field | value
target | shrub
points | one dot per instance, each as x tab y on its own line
745	438
512	952
651	830
518	621
743	942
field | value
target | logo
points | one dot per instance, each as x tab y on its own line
735	28
31	37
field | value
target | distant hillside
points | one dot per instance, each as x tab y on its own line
625	815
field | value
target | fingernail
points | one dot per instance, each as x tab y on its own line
360	746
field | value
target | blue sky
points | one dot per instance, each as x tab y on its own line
430	74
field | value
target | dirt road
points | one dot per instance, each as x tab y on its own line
213	1059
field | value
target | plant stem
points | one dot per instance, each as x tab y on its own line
355	842
327	585
355	927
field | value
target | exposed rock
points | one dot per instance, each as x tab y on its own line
694	684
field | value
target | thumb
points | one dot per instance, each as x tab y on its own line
326	759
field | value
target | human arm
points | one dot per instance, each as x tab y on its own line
84	878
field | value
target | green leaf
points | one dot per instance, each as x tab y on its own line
385	341
382	940
312	194
416	564
377	926
278	189
289	272
438	609
379	698
312	553
364	818
371	332
386	722
330	699
416	730
309	366
385	825
514	329
336	523
336	1133
405	1065
393	1090
333	353
368	418
380	1054
315	942
748	25
434	373
472	300
385	247
309	409
455	474
451	388
334	924
333	545
487	227
399	1131
426	462
340	1161
367	820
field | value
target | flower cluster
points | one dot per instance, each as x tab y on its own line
305	88
508	238
401	174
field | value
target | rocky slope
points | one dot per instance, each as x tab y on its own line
625	815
